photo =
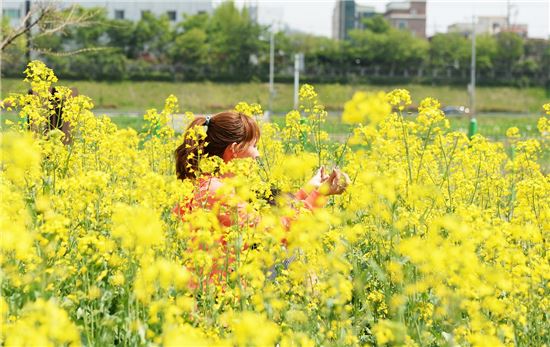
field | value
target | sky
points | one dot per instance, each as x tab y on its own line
316	16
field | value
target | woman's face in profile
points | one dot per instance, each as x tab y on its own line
249	151
233	151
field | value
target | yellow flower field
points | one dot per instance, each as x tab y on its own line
440	240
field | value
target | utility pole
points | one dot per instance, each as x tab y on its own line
298	65
473	70
271	71
472	87
508	14
28	28
296	79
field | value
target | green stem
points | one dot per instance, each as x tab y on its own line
477	180
405	142
423	150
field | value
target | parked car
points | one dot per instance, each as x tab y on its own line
456	110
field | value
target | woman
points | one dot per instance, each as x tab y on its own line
232	135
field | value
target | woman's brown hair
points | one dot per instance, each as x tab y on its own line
222	130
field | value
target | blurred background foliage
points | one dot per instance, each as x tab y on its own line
229	46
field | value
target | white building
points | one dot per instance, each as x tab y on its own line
491	25
118	9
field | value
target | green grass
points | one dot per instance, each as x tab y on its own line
122	122
129	122
206	97
493	126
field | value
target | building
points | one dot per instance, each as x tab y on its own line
408	15
346	16
343	19
491	25
363	12
119	9
253	11
520	29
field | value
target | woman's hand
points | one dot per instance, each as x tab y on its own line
336	183
319	178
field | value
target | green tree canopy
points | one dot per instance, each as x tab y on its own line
449	50
509	49
377	24
391	46
233	38
486	51
190	47
196	21
151	35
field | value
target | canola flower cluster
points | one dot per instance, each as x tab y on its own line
439	240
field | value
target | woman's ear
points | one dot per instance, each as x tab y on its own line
230	152
234	148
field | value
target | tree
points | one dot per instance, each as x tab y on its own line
233	38
366	46
319	52
509	51
326	53
405	49
88	36
120	33
535	49
46	19
376	24
97	60
13	55
391	47
190	49
486	51
448	50
196	21
151	36
545	67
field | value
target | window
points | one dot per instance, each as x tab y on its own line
12	13
413	11
171	16
402	24
119	14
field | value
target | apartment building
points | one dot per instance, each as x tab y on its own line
405	15
348	15
408	15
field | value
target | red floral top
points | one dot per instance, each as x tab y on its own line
206	197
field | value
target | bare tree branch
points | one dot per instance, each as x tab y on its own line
69	53
24	28
50	19
71	20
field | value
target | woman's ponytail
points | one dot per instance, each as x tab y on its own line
188	153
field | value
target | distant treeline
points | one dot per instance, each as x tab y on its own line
228	46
